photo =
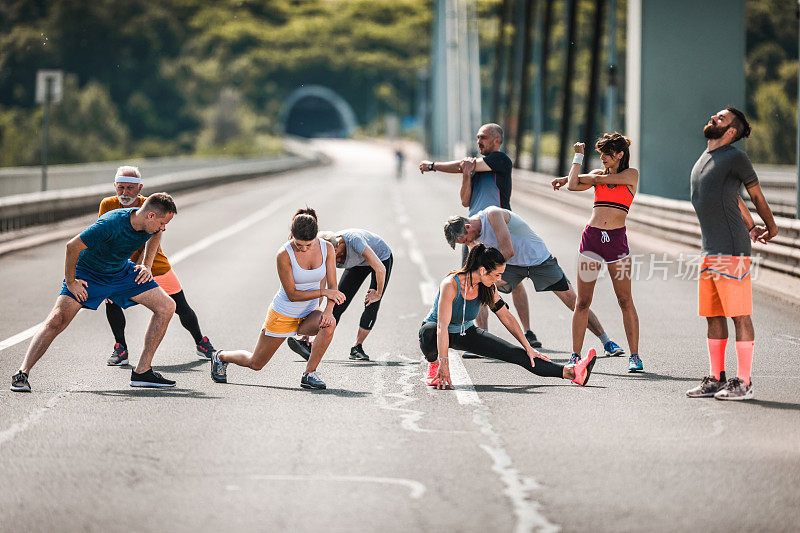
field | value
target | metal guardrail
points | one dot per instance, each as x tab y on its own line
23	210
673	220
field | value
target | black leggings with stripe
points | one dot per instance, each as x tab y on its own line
483	343
351	281
116	319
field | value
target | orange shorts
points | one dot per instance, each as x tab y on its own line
169	282
278	325
725	288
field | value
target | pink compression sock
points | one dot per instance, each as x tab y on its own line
744	360
716	356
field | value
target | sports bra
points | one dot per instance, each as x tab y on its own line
615	196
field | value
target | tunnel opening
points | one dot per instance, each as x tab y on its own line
312	116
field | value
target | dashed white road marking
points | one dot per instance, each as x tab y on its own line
518	488
415	488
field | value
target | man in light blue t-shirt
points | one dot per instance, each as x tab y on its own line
98	267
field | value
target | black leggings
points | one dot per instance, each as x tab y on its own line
352	278
483	343
116	319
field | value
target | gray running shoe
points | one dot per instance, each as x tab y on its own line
311	380
301	348
735	389
204	348
19	382
119	356
357	353
709	387
218	368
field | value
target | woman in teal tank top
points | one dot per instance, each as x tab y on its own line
450	324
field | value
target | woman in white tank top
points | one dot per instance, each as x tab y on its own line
307	270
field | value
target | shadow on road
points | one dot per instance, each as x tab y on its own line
151	393
647	376
183	367
335	392
357	364
781	406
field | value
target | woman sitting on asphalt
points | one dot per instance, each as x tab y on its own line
450	324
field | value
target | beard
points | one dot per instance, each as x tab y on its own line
714	132
126	200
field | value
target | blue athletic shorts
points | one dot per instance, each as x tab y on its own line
119	286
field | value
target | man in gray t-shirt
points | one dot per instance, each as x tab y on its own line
727	228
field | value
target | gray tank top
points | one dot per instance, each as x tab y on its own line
464	311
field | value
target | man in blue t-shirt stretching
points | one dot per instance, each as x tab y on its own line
486	182
98	268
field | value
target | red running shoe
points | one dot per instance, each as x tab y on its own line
583	368
433	369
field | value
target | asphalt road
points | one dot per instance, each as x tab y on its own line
505	451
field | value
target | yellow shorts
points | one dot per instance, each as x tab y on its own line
278	325
725	287
169	282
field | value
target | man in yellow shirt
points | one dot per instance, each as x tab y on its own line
128	184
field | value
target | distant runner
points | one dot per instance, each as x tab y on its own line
725	222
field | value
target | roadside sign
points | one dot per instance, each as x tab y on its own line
49	81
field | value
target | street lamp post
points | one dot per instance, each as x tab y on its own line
48	91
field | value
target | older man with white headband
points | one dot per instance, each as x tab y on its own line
128	184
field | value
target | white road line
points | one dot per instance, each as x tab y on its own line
181	255
416	489
8	434
518	488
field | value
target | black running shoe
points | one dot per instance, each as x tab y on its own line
204	348
357	353
531	336
119	356
708	388
219	368
150	379
19	382
301	348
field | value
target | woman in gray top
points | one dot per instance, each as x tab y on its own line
360	253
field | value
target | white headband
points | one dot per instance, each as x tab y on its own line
127	179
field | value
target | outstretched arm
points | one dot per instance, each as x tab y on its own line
497	219
373	295
451	167
628	177
76	286
447	293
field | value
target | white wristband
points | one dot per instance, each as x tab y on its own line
578	159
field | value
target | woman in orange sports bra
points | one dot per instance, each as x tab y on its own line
604	239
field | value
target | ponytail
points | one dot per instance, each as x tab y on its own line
488	258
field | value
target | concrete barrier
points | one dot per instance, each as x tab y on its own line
674	220
23	210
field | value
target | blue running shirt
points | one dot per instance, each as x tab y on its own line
111	240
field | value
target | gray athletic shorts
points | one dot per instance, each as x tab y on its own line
546	276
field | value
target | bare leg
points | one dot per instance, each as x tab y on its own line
520	298
744	328
717	327
482	320
580	313
570	298
361	336
59	318
324	336
266	347
621	279
162	307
